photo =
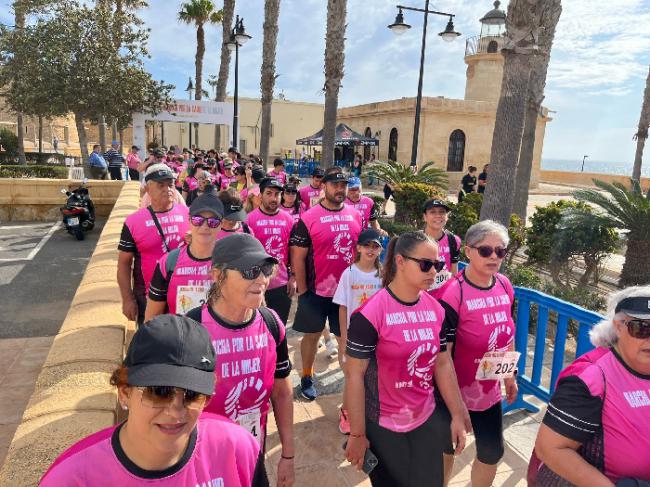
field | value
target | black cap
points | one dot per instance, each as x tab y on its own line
336	177
270	183
369	235
436	203
158	153
172	350
240	251
317	172
258	174
207	202
290	187
636	307
234	213
159	172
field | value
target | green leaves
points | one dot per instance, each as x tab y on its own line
397	173
200	12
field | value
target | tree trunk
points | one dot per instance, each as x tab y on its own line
642	134
114	130
549	17
200	52
334	63
102	132
522	25
40	134
267	82
636	268
83	143
224	65
20	123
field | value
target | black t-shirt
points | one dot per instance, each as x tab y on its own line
482	177
468	183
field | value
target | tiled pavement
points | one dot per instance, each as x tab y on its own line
21	360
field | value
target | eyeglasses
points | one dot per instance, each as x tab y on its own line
255	271
212	222
426	264
638	328
486	251
161	397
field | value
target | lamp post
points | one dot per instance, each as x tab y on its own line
582	169
449	34
238	37
190	89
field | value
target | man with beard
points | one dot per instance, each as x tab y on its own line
272	227
322	247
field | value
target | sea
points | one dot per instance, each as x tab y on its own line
604	167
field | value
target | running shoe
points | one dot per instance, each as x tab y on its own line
344	423
332	349
307	389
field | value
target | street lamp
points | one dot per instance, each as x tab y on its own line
238	37
449	34
582	169
190	89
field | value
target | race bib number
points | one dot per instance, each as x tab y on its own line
189	297
441	278
497	365
252	423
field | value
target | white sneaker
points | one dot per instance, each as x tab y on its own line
332	349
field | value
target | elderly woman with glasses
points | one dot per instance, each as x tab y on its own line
250	341
596	431
163	385
480	334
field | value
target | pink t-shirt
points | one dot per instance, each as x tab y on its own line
295	214
607	405
479	320
365	206
141	237
220	453
331	236
444	277
248	362
273	231
226	181
402	341
280	176
190	183
188	285
309	195
133	160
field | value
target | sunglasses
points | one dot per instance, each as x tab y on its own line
426	264
638	328
161	397
290	191
254	272
486	251
212	222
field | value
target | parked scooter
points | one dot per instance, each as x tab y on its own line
79	211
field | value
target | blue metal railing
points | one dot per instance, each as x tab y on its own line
303	168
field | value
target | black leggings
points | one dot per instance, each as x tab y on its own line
488	431
410	459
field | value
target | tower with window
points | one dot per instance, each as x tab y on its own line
483	57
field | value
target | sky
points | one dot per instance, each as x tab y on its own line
596	78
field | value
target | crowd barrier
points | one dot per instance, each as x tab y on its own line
304	168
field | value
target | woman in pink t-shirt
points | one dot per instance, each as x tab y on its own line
164	383
291	203
480	331
596	430
396	347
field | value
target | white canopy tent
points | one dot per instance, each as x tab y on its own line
192	111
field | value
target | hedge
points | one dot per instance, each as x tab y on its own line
38	158
34	171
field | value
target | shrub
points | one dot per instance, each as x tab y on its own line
517	234
524	276
9	142
379	200
397	173
409	201
461	218
34	171
394	229
38	158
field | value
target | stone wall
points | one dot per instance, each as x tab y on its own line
586	178
72	397
40	199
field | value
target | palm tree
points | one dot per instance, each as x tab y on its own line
520	45
224	64
550	16
642	133
626	209
19	11
267	83
199	12
395	173
334	63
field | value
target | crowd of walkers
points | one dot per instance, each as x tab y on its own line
427	350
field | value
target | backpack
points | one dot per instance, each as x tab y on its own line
453	244
268	317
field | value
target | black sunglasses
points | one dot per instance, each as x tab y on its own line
486	251
638	328
254	272
426	264
160	397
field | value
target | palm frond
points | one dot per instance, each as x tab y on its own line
397	173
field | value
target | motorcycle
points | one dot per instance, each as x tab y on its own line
79	211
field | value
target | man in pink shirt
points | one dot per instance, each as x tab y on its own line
146	235
363	204
278	171
310	195
322	247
